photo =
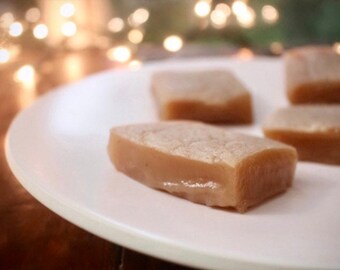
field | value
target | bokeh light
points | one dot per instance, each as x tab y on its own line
218	18
202	8
120	54
33	15
336	47
25	74
239	8
6	19
223	7
138	17
173	43
4	56
270	14
276	48
15	29
135	36
247	18
69	29
40	31
135	64
245	54
67	10
115	25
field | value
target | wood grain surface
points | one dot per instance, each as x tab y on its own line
32	236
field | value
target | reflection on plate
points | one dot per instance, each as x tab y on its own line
57	150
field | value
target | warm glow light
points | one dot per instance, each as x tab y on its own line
40	31
239	8
115	25
247	18
173	43
270	14
27	77
4	56
67	10
276	48
135	64
33	15
336	47
138	17
218	18
15	29
6	19
25	74
245	54
74	65
135	36
121	54
223	7
202	8
69	29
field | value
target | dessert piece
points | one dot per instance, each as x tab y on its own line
313	75
202	163
214	96
314	130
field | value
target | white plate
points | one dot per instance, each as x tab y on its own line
57	150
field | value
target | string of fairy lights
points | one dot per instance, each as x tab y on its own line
216	15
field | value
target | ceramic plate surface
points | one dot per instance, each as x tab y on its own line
57	150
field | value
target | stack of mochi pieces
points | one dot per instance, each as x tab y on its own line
211	165
312	124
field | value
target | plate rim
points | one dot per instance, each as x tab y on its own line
120	234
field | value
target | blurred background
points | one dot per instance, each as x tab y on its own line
131	32
136	30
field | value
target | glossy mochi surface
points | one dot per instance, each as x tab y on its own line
202	163
313	75
314	130
214	96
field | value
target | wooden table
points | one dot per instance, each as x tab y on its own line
32	236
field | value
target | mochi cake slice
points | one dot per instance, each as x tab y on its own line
213	96
314	130
202	163
313	75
